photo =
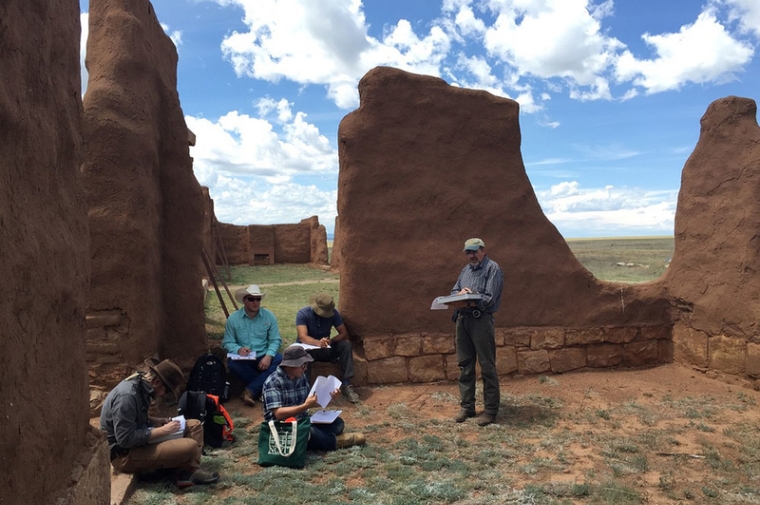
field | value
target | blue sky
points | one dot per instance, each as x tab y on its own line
610	92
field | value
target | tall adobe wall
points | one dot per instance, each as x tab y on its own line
48	451
423	167
146	208
713	277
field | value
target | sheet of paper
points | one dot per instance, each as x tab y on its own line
252	355
325	416
322	387
177	434
309	347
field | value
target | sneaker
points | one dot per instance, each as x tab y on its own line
485	419
463	415
192	476
350	439
350	394
247	398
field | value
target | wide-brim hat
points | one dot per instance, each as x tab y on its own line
252	290
169	373
295	356
323	305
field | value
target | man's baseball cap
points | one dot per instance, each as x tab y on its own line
473	244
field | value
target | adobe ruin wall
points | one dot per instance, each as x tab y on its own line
48	451
146	212
444	164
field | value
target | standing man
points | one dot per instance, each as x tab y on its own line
475	331
314	324
252	331
132	434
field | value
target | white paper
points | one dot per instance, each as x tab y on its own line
309	347
325	416
440	302
177	434
322	387
251	355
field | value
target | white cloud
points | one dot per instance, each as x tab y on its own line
747	12
174	35
604	211
699	53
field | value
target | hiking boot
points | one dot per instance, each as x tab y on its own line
485	419
247	398
463	415
350	394
350	439
192	476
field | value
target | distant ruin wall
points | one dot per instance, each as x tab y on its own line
444	164
145	205
304	242
48	452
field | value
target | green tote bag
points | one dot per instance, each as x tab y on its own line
283	443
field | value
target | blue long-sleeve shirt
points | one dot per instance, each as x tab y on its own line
486	279
260	334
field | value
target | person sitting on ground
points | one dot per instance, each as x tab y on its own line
314	324
252	331
286	394
131	432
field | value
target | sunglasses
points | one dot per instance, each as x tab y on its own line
252	299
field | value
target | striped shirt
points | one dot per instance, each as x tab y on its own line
282	391
486	279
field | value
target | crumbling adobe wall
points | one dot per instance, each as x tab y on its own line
423	167
48	452
303	242
145	205
713	277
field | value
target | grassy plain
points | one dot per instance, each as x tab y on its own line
635	259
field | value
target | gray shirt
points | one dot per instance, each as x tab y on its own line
486	279
124	416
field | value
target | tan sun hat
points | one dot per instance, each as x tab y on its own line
252	290
323	305
473	244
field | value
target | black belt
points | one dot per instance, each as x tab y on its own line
469	312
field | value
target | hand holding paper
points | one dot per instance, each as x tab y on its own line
323	387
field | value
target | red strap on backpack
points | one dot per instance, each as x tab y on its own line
229	426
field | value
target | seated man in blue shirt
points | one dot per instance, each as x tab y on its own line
252	331
286	394
314	325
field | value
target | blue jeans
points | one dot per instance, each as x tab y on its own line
323	435
248	371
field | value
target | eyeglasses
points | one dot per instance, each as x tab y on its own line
468	253
252	299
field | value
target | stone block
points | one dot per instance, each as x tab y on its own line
379	347
547	338
533	362
104	318
728	354
753	360
506	360
518	337
387	370
360	371
409	344
452	368
689	346
584	336
438	344
604	355
641	353
562	360
621	335
656	333
428	368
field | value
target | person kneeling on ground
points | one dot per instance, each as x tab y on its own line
132	433
314	324
286	394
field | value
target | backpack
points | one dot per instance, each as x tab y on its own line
217	423
209	375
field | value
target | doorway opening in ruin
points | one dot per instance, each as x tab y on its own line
261	259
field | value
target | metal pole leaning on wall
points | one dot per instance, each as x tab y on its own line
219	247
213	281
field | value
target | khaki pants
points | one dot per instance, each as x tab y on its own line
178	453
